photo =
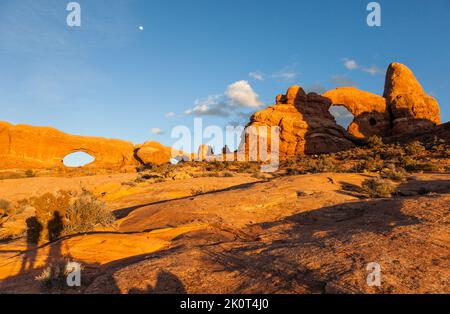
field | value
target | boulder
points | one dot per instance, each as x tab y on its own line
411	108
153	153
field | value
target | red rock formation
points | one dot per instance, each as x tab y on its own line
370	111
30	147
153	153
306	125
411	107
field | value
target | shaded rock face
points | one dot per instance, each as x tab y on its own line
307	127
31	147
410	106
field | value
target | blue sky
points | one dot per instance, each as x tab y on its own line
196	57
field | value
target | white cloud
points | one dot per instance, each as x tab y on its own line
170	114
237	95
156	131
257	75
373	70
211	106
350	64
241	94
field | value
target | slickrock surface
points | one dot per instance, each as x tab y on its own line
295	234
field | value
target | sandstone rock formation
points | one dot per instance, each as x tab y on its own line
30	147
306	125
410	107
153	153
371	113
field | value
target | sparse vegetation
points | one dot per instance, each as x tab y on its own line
414	148
375	142
85	213
197	191
394	173
378	188
66	213
29	173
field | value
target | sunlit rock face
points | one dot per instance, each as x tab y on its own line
305	123
412	109
31	147
307	127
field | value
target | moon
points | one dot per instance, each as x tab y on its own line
141	28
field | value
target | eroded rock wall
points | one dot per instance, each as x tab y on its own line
31	147
307	127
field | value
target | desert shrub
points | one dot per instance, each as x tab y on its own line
50	206
29	173
140	179
66	213
197	191
217	166
392	151
4	207
394	173
228	174
375	142
10	175
248	167
427	167
129	183
294	171
142	168
326	164
52	277
55	275
258	175
85	213
378	188
414	148
407	163
369	165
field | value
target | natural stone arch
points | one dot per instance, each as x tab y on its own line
78	159
371	114
342	116
30	147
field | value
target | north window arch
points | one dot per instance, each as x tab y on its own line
78	159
